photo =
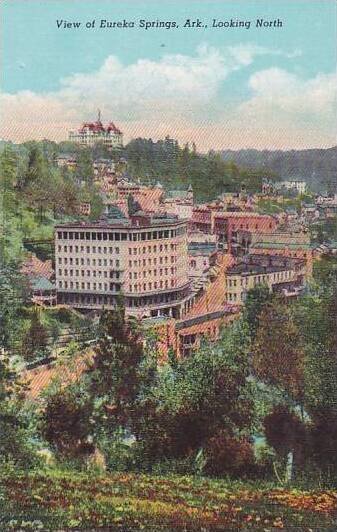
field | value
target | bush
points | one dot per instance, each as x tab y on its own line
229	455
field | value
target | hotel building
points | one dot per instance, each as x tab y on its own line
144	258
90	133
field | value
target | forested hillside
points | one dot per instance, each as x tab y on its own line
317	167
176	167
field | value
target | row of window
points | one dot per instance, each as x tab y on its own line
280	276
143	287
150	249
112	287
87	273
81	261
131	236
148	262
111	301
88	249
144	273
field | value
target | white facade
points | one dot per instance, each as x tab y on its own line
148	264
90	133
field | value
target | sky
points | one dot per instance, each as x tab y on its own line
220	87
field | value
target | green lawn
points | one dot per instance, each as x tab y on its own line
63	501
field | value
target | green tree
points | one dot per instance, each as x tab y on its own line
35	341
116	371
277	350
255	301
84	169
65	422
197	399
15	434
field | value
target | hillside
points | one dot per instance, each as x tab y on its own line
318	167
57	500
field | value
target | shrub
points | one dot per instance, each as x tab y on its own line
228	455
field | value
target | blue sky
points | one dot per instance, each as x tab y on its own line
197	84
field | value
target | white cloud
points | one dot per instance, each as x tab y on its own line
180	95
289	93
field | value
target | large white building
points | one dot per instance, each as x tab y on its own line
144	258
90	133
294	184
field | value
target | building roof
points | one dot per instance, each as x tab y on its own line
137	221
280	245
201	248
41	284
97	127
253	264
179	194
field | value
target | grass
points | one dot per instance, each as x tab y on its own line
57	500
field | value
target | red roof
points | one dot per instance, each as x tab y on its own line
112	127
97	127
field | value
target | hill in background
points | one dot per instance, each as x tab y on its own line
318	167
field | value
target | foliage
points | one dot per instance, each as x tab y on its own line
35	340
197	398
15	445
228	455
285	431
65	422
57	500
316	166
255	301
278	356
13	294
116	372
177	167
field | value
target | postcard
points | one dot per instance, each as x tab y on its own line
168	265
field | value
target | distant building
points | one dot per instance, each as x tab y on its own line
144	258
225	225
278	273
67	161
294	184
293	245
90	133
180	202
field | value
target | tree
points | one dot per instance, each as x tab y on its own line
287	434
15	434
13	294
65	422
319	319
35	340
277	350
255	301
116	371
133	205
197	399
84	168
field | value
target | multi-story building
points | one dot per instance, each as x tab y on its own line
286	244
226	225
90	133
144	258
293	184
278	273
